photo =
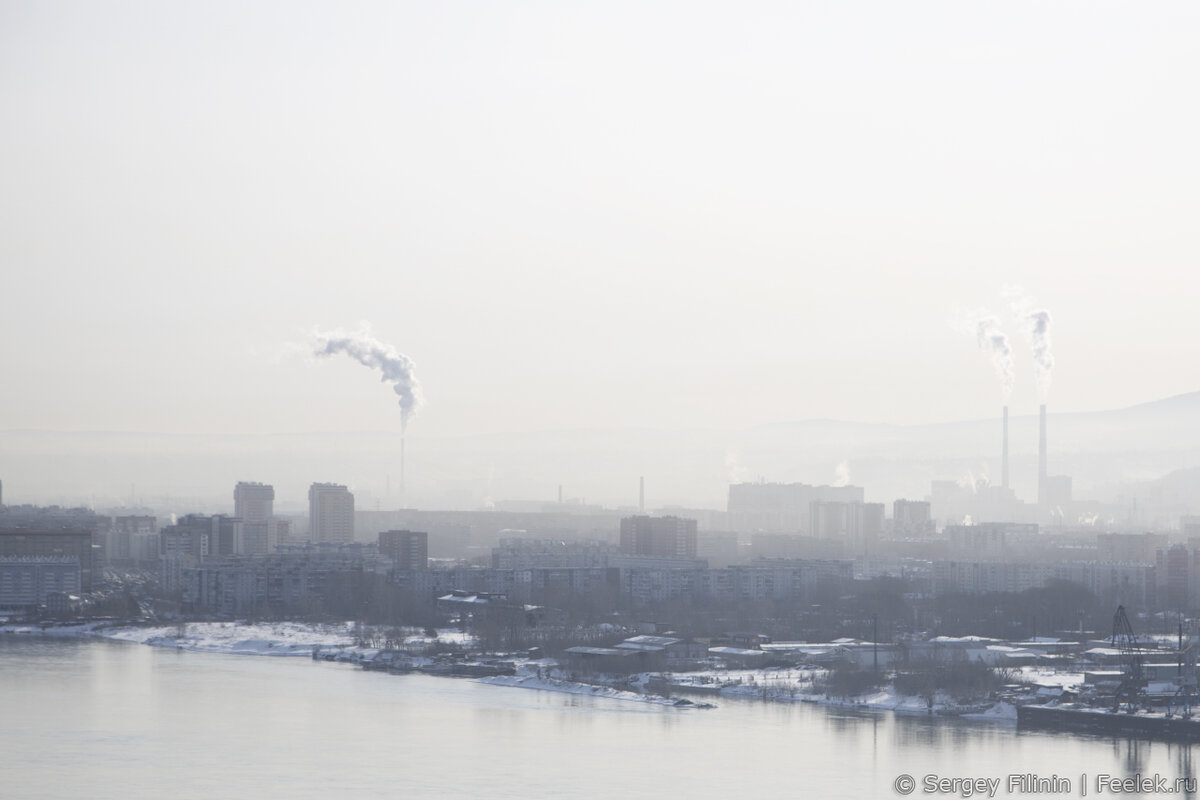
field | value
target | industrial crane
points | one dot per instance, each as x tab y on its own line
1132	689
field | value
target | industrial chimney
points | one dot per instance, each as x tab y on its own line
1004	453
1042	455
642	493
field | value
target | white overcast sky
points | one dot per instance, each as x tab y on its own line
589	214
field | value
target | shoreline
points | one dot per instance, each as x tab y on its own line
588	690
296	640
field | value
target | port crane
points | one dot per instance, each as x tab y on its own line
1132	689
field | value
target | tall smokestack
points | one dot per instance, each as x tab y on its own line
642	493
401	465
1042	455
1004	453
560	494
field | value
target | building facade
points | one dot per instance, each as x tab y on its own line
254	506
330	513
912	518
29	581
658	536
69	544
406	549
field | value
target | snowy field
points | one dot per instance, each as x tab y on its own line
1049	677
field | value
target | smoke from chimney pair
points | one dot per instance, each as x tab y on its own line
1035	323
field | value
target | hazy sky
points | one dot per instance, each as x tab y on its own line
589	214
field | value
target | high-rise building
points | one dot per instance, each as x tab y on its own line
253	505
858	523
658	536
280	531
130	538
865	525
406	549
912	518
1174	571
330	513
199	536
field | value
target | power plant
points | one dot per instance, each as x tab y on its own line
979	496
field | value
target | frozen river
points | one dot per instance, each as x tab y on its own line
103	719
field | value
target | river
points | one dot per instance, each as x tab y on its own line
102	719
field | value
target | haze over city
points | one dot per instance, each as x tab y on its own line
599	399
623	215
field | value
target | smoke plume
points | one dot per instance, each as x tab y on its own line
1037	329
394	368
1036	323
841	473
994	342
985	327
735	472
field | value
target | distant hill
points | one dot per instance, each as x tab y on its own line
1112	455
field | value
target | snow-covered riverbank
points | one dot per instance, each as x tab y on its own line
298	639
236	638
265	639
591	690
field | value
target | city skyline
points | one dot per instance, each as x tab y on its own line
531	385
1109	455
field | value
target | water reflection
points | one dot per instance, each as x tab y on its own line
90	714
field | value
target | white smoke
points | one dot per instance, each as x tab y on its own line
985	327
1036	323
993	341
735	472
972	482
1037	329
395	368
842	473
